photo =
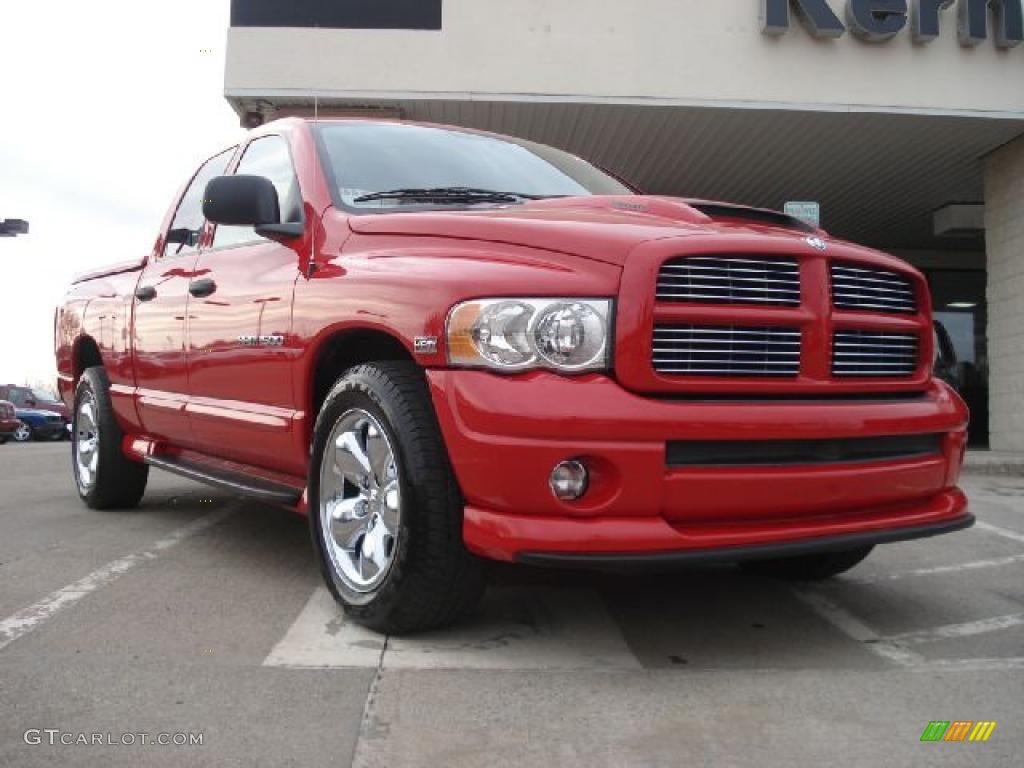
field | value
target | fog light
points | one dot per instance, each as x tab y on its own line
569	480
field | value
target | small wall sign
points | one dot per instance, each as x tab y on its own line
806	212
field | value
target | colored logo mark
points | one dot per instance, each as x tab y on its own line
958	730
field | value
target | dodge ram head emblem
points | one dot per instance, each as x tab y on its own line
816	243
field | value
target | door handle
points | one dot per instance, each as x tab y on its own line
145	293
202	287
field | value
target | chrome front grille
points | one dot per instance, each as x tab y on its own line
743	316
874	354
698	350
730	280
874	290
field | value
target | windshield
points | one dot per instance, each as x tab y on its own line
427	166
41	395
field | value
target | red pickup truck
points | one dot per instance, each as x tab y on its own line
446	346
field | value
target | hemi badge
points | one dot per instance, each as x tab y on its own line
426	345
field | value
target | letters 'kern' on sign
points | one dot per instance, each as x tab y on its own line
879	20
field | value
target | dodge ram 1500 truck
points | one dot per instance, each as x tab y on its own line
446	346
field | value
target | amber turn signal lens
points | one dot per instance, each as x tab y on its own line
461	348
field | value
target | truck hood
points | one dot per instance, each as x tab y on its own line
604	229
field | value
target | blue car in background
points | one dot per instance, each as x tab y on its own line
39	425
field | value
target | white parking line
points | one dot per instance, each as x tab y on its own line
321	638
955	568
27	619
519	628
995	664
1006	533
856	629
952	631
893	648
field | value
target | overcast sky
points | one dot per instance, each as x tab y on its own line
105	109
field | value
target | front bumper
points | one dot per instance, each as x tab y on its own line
505	434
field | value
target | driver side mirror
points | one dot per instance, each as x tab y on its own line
248	201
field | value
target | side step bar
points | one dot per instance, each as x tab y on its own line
254	488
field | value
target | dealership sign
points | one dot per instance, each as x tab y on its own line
879	20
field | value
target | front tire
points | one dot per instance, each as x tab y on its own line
385	510
104	476
816	567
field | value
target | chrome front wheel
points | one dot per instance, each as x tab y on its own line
23	433
360	501
386	514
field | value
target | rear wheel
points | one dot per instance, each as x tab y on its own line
105	477
816	567
385	510
22	434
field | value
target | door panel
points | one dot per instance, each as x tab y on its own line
240	354
240	350
159	344
160	309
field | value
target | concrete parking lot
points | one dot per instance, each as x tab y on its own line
203	614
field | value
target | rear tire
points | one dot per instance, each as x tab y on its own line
816	567
104	476
23	434
401	517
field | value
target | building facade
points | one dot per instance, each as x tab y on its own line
903	119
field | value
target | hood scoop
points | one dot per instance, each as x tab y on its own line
762	216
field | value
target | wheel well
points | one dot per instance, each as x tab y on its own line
87	355
346	350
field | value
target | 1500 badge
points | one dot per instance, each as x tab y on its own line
261	341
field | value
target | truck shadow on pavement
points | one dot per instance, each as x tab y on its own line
707	617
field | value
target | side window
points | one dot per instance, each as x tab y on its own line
17	396
267	157
188	219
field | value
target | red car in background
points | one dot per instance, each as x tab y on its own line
9	423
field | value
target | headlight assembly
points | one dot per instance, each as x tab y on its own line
566	335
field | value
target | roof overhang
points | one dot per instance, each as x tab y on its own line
683	97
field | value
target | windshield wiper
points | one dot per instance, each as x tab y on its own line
449	195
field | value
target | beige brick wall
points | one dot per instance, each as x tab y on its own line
1004	234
